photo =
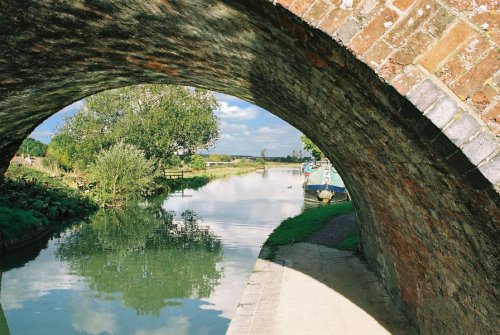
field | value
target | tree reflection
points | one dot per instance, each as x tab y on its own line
146	255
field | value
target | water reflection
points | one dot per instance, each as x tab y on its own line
154	268
4	327
146	255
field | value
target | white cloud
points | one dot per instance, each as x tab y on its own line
89	321
269	130
177	325
233	112
226	137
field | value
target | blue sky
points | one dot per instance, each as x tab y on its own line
246	129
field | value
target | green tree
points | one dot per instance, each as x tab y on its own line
163	121
121	173
263	153
219	158
32	147
197	162
310	146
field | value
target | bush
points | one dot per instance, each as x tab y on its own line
197	162
260	161
121	173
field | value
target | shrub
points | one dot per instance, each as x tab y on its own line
121	173
197	162
260	161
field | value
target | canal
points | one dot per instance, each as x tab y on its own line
171	265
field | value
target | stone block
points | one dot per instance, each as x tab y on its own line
442	112
424	94
462	129
348	30
480	147
491	170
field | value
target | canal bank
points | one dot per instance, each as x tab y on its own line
309	288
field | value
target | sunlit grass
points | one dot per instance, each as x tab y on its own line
298	228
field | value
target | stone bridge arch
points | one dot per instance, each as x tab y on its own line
402	95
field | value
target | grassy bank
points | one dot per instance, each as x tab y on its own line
30	201
298	228
195	179
215	172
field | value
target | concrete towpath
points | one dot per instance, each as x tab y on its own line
312	289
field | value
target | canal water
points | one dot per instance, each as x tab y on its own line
175	265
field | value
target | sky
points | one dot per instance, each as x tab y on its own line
246	129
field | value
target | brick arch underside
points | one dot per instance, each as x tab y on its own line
429	225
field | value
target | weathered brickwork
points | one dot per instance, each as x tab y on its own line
402	96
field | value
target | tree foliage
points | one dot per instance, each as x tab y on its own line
32	147
163	121
219	158
263	153
197	162
121	173
310	146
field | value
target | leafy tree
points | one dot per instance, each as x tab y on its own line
63	150
310	146
197	162
263	153
163	121
32	147
121	173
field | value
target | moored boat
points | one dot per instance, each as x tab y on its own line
324	184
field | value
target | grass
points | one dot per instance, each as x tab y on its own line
298	228
14	222
351	242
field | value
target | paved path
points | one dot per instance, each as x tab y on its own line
312	289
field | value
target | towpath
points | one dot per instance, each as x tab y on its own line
313	289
